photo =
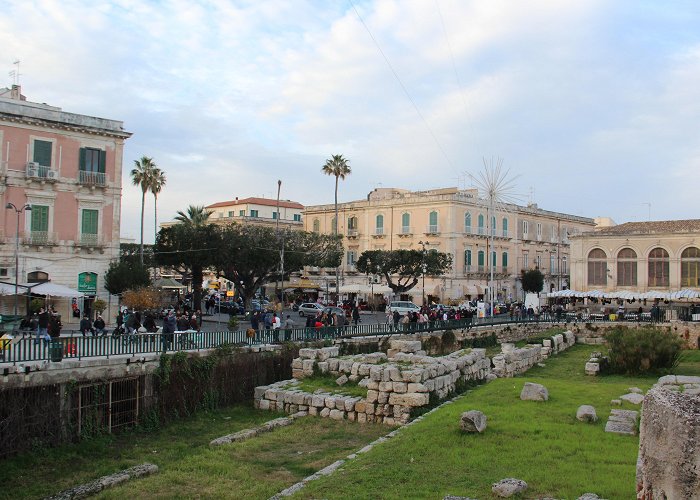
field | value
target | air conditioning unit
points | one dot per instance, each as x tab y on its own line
32	171
52	174
32	164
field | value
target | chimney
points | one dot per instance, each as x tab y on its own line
16	93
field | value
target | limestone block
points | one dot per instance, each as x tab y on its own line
292	408
633	398
298	398
386	375
342	380
333	364
375	358
363	370
373	385
429	385
395	374
362	418
622	422
325	412
370	408
400	386
372	396
297	363
391	353
389	421
473	421
363	383
318	400
323	366
354	368
386	386
264	404
313	411
534	392
303	408
340	404
337	414
421	353
307	353
547	343
330	402
635	390
308	365
271	394
383	397
345	366
273	405
508	487
399	410
375	373
361	406
586	413
352	416
354	378
298	373
260	391
409	399
379	411
415	375
413	387
592	368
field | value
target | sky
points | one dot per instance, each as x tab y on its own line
593	106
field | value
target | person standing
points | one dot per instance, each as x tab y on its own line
43	327
169	327
355	315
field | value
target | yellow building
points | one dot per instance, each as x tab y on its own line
637	256
456	222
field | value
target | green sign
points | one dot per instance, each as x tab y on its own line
87	282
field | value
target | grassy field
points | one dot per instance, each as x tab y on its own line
541	443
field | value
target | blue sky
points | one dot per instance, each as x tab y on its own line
594	106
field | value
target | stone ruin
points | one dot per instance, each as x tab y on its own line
668	465
395	385
513	361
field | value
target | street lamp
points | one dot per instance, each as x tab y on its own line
424	266
27	207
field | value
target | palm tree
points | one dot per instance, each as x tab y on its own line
141	175
195	216
157	182
338	167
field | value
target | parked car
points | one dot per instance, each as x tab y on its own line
337	310
258	305
402	307
309	309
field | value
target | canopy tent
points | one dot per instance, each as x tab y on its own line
364	288
168	283
9	289
51	289
685	295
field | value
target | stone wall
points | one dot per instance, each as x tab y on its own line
395	385
668	465
593	333
514	361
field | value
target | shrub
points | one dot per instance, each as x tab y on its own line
449	340
634	352
488	341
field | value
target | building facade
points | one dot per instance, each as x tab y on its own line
68	168
459	223
261	211
637	256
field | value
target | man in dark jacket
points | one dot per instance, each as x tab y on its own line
169	326
43	327
85	326
99	325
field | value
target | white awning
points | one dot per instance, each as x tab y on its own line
51	289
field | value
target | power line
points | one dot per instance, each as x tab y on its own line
403	87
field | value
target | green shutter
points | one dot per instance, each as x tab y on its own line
40	218
504	261
81	160
103	161
89	222
405	220
481	258
468	257
42	153
433	218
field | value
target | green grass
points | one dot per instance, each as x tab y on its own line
326	383
542	443
688	364
188	466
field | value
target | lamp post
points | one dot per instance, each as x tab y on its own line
424	267
27	207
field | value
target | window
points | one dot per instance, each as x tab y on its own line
253	213
275	215
379	224
89	226
405	223
40	219
690	267
538	261
42	152
480	257
37	277
92	160
526	227
241	213
297	217
480	222
526	259
627	267
539	230
493	225
352	257
597	268
468	223
563	265
352	223
505	227
433	221
230	213
658	267
317	226
493	259
504	260
468	259
3	271
552	263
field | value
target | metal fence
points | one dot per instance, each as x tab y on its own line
21	350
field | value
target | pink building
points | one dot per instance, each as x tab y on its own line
68	168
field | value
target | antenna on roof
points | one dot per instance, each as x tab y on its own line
15	73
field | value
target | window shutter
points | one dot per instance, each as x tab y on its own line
42	153
89	222
81	160
40	218
103	161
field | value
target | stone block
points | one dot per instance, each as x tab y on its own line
586	413
395	374
361	406
333	364
330	402
372	396
297	363
508	487
313	411
633	398
260	391
340	404
308	353
325	412
534	392
416	387
400	386
323	366
370	408
264	404
383	397
473	421
363	370
352	416
362	418
337	414
342	380
412	399
375	373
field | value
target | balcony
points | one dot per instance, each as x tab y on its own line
40	172
406	231
467	230
432	229
90	240
378	232
353	233
481	231
92	178
39	238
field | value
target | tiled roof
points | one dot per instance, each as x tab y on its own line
258	201
653	227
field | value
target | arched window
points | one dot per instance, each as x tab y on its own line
405	223
433	222
467	259
317	225
504	261
480	257
481	224
352	223
627	267
505	227
690	267
658	267
37	277
493	225
379	224
468	223
597	268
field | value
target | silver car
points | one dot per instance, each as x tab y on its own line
310	309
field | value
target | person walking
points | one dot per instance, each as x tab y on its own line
355	315
43	327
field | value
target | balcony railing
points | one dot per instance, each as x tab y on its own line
90	240
353	233
36	171
39	238
432	229
467	230
92	178
378	231
481	231
406	230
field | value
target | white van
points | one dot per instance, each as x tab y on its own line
402	307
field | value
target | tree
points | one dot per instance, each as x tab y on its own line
338	167
193	243
124	275
130	252
533	281
403	268
158	181
249	256
143	299
142	176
